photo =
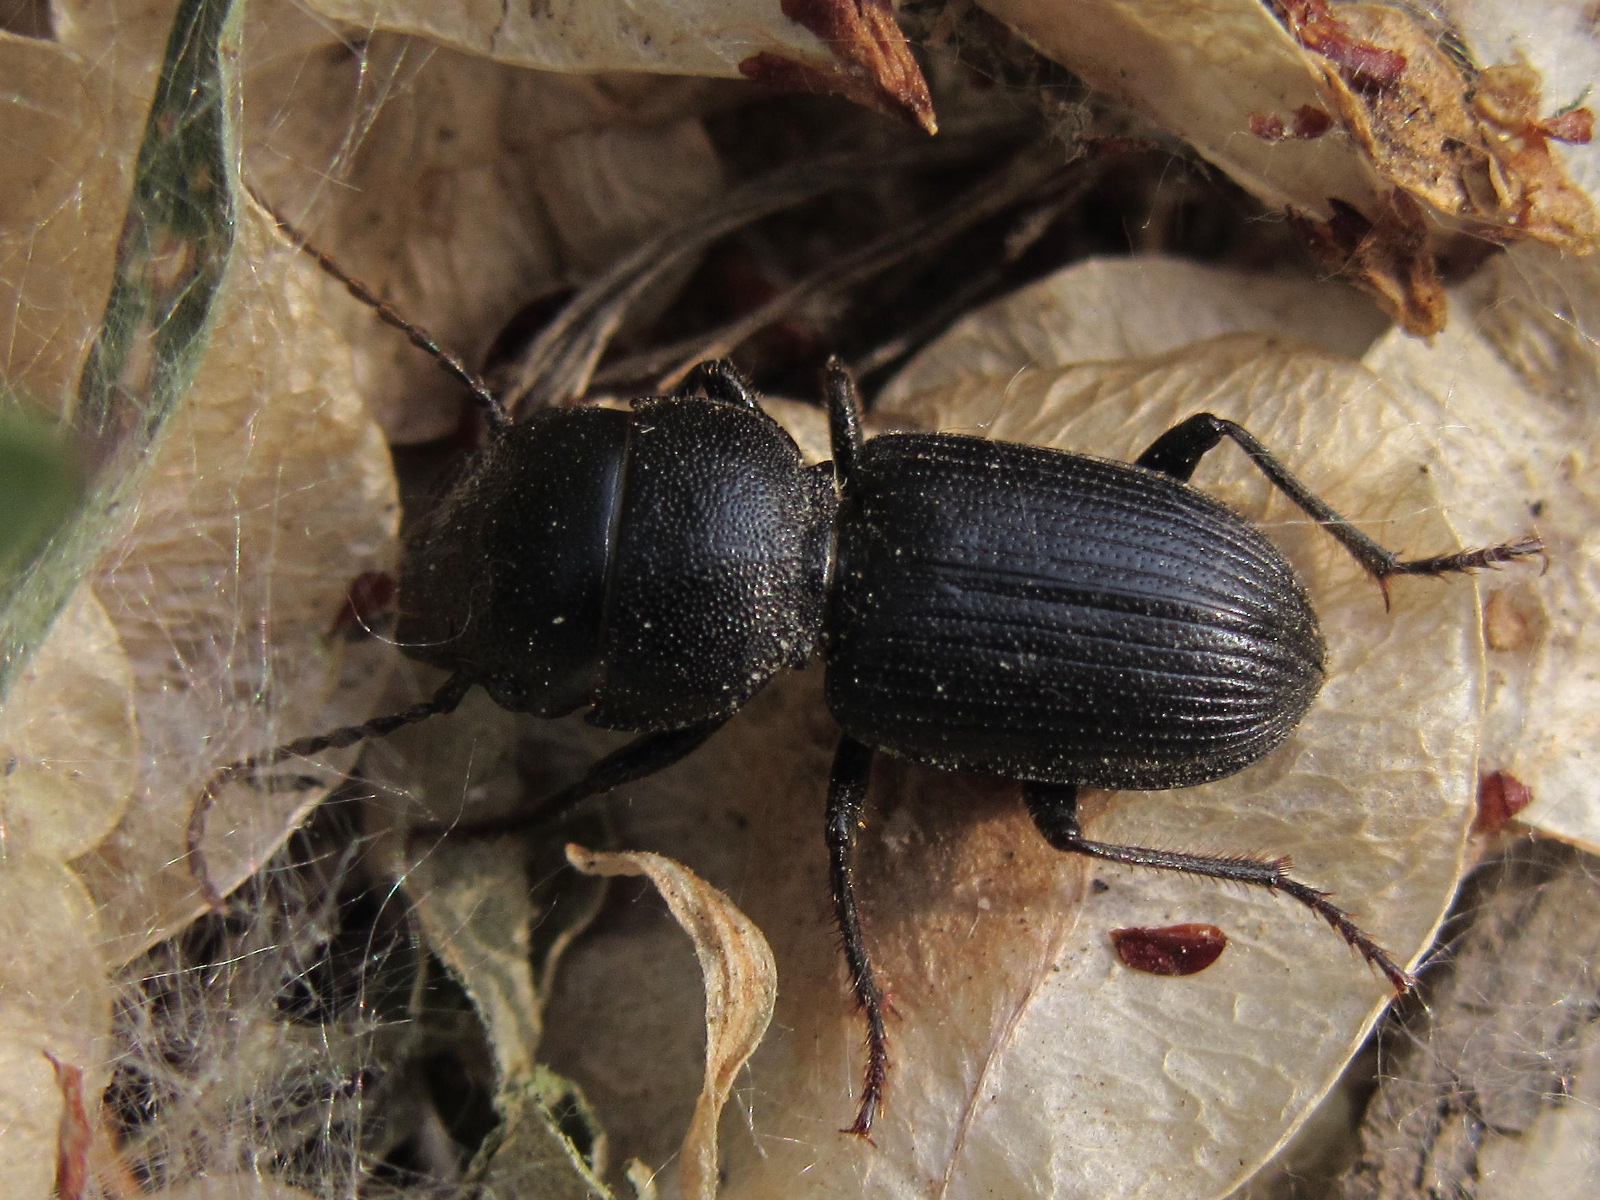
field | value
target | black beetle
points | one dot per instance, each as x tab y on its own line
1045	617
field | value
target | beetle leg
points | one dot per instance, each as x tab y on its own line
443	701
1178	451
720	380
844	418
1054	809
847	794
642	757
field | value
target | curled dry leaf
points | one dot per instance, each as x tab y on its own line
1352	120
740	981
870	61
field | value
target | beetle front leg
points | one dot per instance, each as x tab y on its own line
1054	809
1178	451
847	794
844	418
720	380
445	700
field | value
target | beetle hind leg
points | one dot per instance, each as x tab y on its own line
1178	452
1054	809
847	794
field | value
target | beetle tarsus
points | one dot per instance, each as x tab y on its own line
1470	560
1317	900
1054	808
718	379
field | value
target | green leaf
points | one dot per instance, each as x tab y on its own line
171	258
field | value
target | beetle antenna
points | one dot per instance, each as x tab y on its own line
443	701
494	413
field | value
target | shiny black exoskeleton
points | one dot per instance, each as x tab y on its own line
1044	617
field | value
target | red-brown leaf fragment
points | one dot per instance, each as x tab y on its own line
873	64
1170	949
1361	63
72	1147
368	600
1310	122
1501	796
1390	258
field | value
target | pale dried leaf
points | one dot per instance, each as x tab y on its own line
740	982
1521	375
60	212
1203	69
534	1159
182	588
849	46
1128	308
68	738
56	1002
471	896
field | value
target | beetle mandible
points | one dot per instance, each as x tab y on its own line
1046	617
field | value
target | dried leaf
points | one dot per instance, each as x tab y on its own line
532	1157
740	982
872	63
1352	129
68	738
1203	70
1521	375
57	1005
1492	1090
1390	258
1471	148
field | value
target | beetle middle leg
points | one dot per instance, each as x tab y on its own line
847	795
1054	809
642	757
1178	451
